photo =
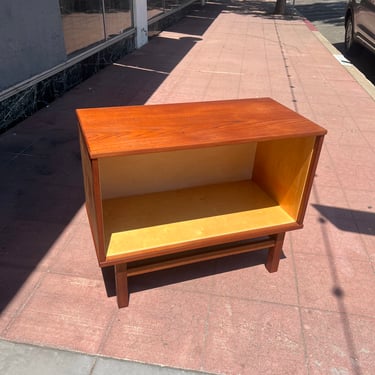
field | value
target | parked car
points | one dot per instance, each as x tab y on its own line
360	26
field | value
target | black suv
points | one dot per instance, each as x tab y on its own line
360	26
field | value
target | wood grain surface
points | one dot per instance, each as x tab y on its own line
140	129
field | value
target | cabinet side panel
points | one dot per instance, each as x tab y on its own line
281	168
173	170
92	193
310	178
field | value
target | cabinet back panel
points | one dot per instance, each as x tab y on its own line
281	169
172	170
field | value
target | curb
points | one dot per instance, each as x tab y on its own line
355	73
29	359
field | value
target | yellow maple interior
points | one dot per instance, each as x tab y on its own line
163	199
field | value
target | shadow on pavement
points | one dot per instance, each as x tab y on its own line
365	221
364	62
187	272
41	184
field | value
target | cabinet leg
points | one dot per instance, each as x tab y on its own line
122	292
274	253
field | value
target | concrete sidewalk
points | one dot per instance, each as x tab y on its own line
21	359
316	315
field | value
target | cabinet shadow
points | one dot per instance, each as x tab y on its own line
190	272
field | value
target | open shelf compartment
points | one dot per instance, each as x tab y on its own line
156	202
161	220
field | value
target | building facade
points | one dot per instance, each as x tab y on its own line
49	46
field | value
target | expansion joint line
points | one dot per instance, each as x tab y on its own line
286	67
294	100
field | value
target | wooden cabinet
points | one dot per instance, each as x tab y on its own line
173	184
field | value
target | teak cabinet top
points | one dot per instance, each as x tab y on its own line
119	131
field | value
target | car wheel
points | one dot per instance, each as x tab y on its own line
351	46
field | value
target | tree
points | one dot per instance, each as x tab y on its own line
280	7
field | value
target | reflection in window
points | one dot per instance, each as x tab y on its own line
85	23
82	23
156	7
118	16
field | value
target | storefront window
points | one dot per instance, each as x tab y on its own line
85	23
